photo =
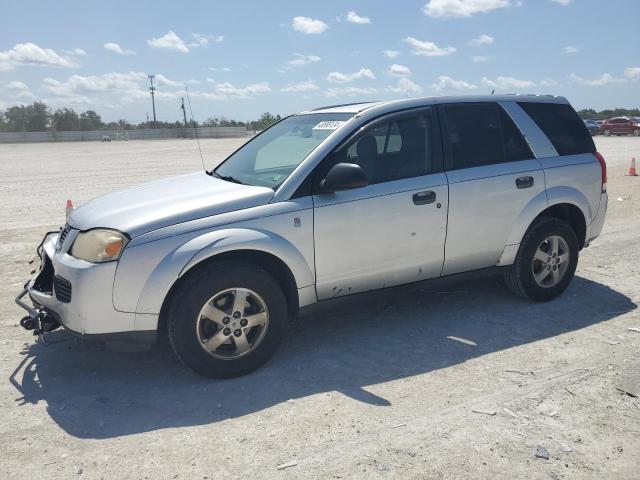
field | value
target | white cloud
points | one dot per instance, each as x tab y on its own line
548	82
390	53
564	3
446	83
300	59
337	77
350	91
462	8
309	26
169	41
569	50
30	54
604	79
114	47
201	40
307	86
353	17
220	69
396	70
480	59
428	49
505	83
632	72
405	87
226	90
80	85
161	81
481	40
19	90
76	52
109	90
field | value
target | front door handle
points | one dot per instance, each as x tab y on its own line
422	198
524	182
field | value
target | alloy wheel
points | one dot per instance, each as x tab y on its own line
550	261
232	323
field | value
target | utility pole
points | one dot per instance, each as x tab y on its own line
152	89
184	113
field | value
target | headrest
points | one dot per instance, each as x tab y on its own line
367	147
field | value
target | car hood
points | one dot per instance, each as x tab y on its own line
166	202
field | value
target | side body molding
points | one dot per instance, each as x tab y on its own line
186	256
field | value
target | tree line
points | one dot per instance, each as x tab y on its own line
38	117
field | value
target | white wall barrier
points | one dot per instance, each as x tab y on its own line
142	134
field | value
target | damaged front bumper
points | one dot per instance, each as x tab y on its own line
72	292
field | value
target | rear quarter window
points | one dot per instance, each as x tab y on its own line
562	126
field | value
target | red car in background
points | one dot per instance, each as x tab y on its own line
620	126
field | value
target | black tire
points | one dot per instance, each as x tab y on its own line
519	276
193	294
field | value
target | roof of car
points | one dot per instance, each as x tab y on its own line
416	102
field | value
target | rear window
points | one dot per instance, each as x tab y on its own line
562	126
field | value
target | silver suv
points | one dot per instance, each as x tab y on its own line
327	203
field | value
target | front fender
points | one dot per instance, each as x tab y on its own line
179	261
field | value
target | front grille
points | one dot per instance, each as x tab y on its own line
44	280
63	234
62	288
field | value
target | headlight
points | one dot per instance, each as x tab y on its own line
99	245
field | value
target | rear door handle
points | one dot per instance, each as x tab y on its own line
524	182
422	198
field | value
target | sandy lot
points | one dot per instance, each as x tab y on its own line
373	389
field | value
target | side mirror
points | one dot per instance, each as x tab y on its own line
344	176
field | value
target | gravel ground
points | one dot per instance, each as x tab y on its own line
372	389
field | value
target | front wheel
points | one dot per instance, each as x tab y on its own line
636	133
607	133
546	261
227	319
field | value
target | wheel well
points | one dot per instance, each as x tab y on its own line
571	215
272	264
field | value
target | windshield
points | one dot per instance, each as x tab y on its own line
269	158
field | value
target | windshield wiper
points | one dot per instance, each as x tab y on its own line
227	178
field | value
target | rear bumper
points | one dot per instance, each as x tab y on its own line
83	303
597	223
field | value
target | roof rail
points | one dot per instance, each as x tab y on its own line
340	105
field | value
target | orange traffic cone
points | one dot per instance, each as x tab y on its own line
632	168
70	207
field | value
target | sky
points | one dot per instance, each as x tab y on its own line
241	58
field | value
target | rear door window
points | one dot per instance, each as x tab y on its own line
515	146
562	126
472	132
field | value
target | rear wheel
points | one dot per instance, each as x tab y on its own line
546	261
227	319
636	133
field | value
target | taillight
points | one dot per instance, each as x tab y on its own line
603	169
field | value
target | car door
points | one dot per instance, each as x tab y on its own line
393	230
492	176
619	126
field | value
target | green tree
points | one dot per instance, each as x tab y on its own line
38	117
90	120
16	118
266	120
66	119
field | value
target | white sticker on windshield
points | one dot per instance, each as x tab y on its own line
331	125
